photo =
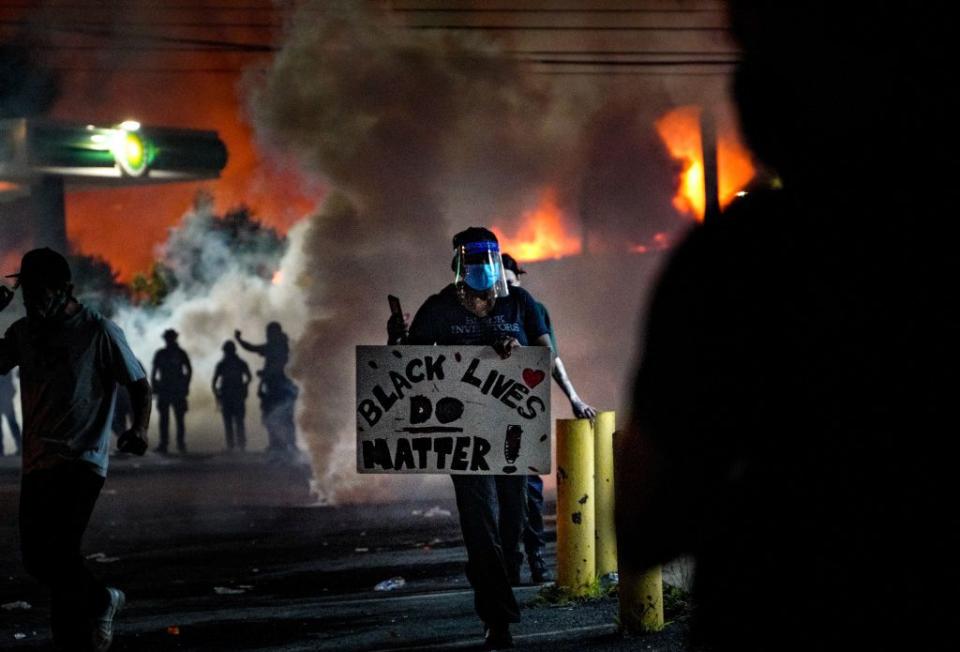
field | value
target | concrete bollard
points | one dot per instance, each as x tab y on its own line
606	533
576	505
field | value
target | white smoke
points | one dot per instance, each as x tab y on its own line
224	295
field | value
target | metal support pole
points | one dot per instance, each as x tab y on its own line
576	505
606	532
711	181
49	214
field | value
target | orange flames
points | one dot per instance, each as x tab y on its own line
542	233
680	131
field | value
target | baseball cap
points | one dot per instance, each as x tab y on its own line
44	267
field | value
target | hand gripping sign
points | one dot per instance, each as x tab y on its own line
453	409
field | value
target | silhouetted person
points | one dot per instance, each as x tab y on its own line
795	407
71	361
534	541
231	379
277	393
478	308
7	411
170	377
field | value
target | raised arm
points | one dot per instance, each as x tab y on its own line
247	346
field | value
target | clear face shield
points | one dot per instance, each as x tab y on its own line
479	268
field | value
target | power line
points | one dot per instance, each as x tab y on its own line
589	62
672	53
229	45
627	73
569	28
142	23
515	10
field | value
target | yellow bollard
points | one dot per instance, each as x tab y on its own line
641	601
603	455
576	505
640	589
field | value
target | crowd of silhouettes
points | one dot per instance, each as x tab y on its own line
172	372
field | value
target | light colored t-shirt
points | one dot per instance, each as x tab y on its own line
68	387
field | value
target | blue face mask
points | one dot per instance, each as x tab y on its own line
480	277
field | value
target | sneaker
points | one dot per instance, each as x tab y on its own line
497	637
103	625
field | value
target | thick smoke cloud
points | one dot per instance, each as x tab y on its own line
419	134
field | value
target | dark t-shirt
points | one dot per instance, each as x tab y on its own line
442	320
545	315
172	364
234	374
68	380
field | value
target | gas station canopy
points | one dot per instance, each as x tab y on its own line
85	156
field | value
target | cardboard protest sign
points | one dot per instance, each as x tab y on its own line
453	409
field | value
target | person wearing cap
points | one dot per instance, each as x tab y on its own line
71	361
479	309
170	377
533	538
231	379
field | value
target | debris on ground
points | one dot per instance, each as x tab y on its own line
102	558
19	605
391	584
227	590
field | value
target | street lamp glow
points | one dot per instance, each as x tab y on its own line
130	125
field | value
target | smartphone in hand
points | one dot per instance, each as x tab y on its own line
395	309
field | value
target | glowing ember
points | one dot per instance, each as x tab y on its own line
542	233
680	131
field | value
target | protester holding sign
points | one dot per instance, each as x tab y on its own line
479	309
533	538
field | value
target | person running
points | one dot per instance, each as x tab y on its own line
71	361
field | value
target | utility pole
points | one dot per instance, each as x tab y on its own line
711	184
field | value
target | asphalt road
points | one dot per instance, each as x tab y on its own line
229	554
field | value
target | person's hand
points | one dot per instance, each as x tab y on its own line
581	410
237	334
133	441
6	296
505	346
397	328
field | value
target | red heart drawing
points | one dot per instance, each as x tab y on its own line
533	377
